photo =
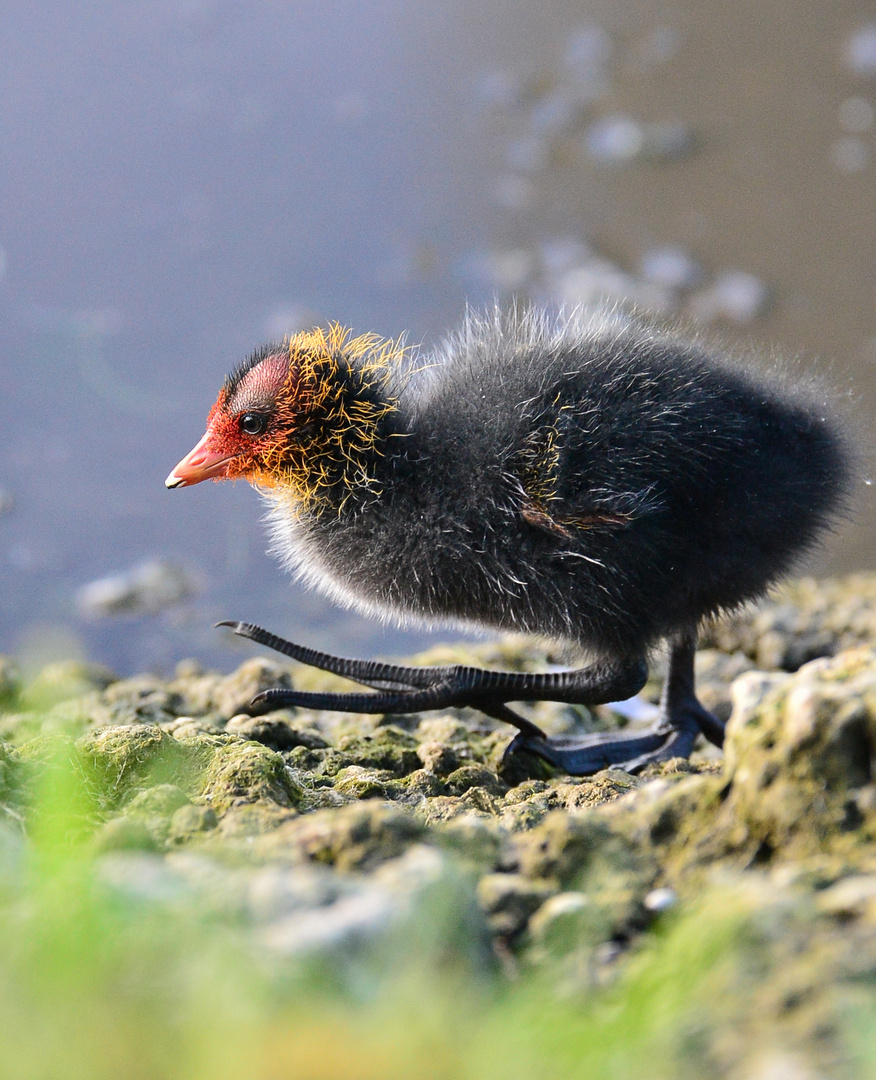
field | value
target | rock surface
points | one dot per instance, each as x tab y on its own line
323	831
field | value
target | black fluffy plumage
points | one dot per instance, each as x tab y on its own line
599	481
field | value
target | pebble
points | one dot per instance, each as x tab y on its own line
636	709
562	254
560	919
851	897
600	280
345	924
659	900
275	892
735	296
505	271
671	267
145	589
141	876
860	51
614	140
620	140
587	58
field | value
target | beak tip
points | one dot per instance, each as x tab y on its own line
203	462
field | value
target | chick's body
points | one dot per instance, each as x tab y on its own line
598	483
596	480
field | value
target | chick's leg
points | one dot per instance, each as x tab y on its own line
402	689
682	719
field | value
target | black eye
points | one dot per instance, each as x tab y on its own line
253	423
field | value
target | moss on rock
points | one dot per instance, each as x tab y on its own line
241	772
355	837
118	762
388	748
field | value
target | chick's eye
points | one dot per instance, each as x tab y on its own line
253	423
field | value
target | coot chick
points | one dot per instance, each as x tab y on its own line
594	479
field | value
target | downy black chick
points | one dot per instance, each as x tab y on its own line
594	479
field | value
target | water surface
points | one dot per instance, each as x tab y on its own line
184	180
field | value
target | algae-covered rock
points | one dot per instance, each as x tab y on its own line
563	926
321	762
355	837
195	688
145	699
442	808
473	838
388	748
276	731
562	846
570	872
438	757
118	762
715	673
184	727
583	853
189	821
799	756
422	784
62	680
482	799
10	682
520	816
152	808
151	773
470	776
13	777
233	694
126	834
508	901
60	700
163	799
802	621
249	819
361	783
242	772
590	791
797	781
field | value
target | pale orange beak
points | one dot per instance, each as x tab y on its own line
199	464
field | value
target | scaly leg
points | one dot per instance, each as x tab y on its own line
682	718
413	689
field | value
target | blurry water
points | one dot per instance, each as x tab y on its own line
185	179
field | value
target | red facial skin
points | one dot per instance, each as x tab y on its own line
226	452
